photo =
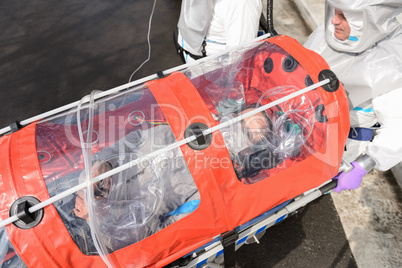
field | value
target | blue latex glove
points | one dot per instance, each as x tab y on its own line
350	180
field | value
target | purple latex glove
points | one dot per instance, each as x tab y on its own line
350	180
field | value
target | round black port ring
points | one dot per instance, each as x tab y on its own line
333	85
26	219
268	65
289	64
201	142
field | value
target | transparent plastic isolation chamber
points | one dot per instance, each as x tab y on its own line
154	170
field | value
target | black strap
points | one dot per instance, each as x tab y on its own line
15	126
203	50
229	247
180	51
196	57
160	74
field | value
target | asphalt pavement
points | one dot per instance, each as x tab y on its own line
53	53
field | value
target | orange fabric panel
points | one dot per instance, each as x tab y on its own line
242	202
48	244
182	105
245	202
336	103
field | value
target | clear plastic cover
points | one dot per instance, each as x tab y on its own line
244	80
137	202
127	206
145	184
8	256
289	124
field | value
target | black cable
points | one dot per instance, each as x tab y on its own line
270	18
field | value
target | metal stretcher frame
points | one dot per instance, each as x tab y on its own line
247	233
208	254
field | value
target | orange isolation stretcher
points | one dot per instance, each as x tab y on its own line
150	172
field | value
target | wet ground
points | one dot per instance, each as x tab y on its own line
372	219
53	53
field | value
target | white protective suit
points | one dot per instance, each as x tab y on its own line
193	24
369	64
230	23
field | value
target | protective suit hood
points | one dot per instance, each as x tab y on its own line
369	21
372	65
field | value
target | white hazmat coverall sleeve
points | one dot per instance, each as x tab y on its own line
195	16
386	147
370	66
233	22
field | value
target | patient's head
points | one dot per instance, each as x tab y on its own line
255	127
101	189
